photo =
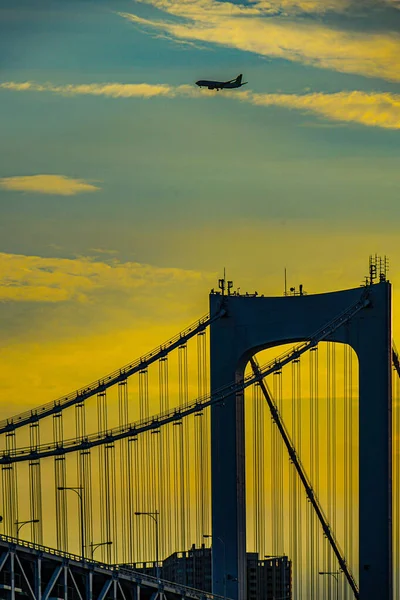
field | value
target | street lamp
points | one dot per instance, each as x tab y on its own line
20	524
78	489
154	516
93	546
223	544
335	576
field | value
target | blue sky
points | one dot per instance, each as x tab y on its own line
150	197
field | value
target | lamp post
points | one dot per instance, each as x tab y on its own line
20	524
223	544
334	574
154	516
78	489
93	546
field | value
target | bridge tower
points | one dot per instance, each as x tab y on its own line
254	323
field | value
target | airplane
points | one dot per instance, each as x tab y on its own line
219	85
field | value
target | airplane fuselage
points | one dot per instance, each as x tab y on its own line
217	85
220	85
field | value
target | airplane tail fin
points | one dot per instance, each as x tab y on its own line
239	78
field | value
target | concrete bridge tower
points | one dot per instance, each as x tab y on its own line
255	323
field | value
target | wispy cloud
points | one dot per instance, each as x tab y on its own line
271	29
371	109
47	184
111	90
40	279
194	9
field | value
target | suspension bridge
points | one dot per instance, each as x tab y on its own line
216	435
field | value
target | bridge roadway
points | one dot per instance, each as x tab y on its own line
36	572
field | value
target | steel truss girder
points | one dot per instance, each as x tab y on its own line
38	573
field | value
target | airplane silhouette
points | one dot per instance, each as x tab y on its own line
219	85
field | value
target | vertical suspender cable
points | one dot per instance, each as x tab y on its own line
279	467
165	499
352	466
347	523
186	456
345	458
35	485
60	480
275	486
327	553
144	525
10	488
254	473
132	489
253	469
300	532
396	499
334	440
154	486
101	426
311	565
319	431
182	353
200	421
205	443
261	473
293	489
125	513
107	487
176	483
84	471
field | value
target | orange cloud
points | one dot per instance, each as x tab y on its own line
47	184
111	90
37	279
188	8
253	29
370	109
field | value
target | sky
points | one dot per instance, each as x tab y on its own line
125	190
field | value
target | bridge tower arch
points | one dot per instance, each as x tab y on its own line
254	323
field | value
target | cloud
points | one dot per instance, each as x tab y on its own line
52	280
47	184
366	108
111	90
371	109
194	9
251	29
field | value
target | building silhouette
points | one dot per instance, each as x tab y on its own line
267	579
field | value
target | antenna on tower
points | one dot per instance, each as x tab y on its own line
285	293
378	268
221	284
372	268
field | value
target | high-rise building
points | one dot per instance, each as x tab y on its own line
192	568
267	579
